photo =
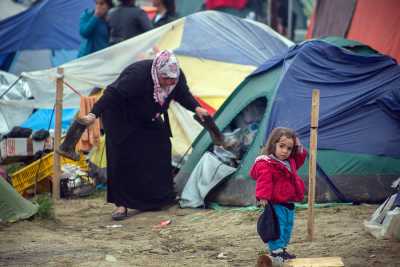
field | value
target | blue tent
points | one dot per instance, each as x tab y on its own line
360	98
44	36
359	123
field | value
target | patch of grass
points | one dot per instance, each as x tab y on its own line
46	207
261	252
97	194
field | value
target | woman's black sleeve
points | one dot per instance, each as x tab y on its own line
128	84
183	96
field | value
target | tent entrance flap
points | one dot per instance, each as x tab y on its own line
240	132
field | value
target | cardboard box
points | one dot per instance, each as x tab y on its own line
22	147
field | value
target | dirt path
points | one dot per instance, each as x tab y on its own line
82	235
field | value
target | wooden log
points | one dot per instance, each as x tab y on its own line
57	134
315	262
266	261
312	163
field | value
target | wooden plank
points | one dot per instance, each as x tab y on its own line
57	134
315	262
312	165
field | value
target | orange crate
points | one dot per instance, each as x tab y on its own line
25	177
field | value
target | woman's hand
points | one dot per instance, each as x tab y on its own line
88	119
201	112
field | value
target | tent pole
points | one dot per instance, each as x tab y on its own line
312	165
11	86
269	10
290	20
57	133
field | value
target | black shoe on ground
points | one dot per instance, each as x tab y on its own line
119	216
288	255
283	255
278	256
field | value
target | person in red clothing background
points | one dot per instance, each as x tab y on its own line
278	183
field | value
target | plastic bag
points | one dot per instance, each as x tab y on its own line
268	225
224	155
233	141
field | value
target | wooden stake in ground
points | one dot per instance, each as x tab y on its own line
57	133
312	164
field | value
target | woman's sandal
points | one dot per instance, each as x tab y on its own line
119	216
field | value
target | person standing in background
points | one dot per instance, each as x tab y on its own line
126	21
166	12
93	28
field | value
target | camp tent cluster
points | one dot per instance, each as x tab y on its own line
233	64
359	131
215	50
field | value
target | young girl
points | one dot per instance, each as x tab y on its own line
278	183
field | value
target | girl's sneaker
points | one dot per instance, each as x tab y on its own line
288	256
282	255
278	255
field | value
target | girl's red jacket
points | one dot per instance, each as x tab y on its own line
275	183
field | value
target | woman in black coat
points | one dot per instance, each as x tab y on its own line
135	120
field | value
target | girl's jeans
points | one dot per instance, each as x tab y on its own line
286	219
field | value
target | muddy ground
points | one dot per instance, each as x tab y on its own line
83	234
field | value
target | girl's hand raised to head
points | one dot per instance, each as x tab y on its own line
298	142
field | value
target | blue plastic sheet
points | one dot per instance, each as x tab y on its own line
49	24
42	118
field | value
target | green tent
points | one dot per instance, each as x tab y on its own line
185	8
346	172
13	206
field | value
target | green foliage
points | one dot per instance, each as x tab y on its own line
261	252
46	208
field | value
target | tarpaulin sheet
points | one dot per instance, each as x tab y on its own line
226	38
207	174
332	17
377	23
359	98
42	117
49	24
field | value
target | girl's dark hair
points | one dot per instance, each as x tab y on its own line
275	136
170	6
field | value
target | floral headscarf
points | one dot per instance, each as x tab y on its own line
164	65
